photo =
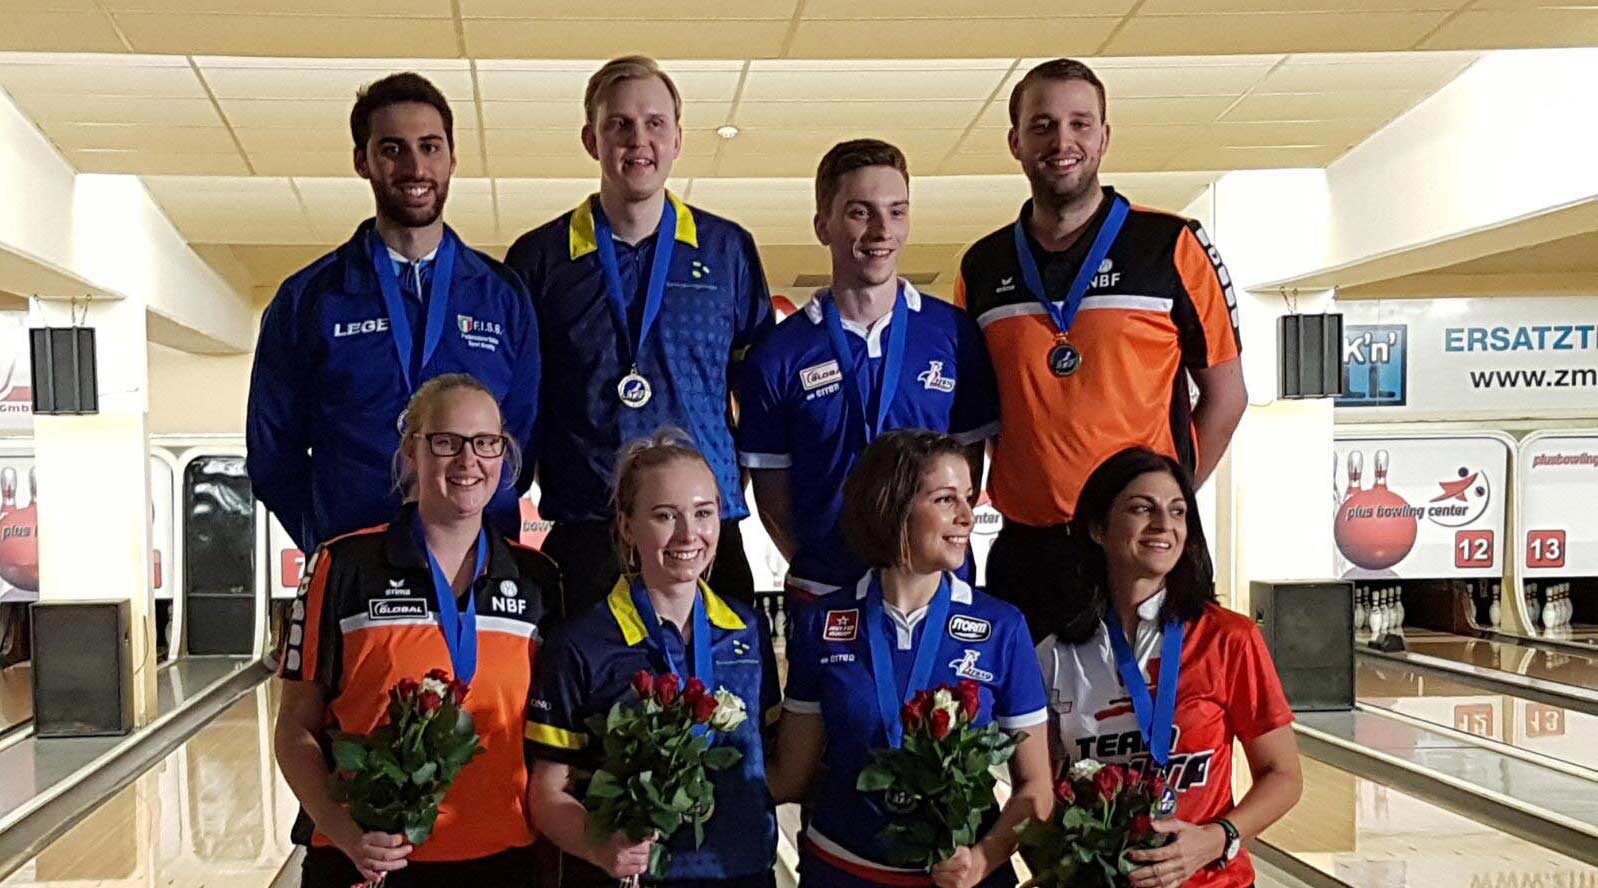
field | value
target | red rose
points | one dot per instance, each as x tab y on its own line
408	687
643	684
704	706
666	687
1134	778
910	717
1109	781
922	702
457	691
430	702
1064	792
941	723
970	695
438	675
692	691
1142	827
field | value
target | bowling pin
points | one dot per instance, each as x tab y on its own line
1379	618
1356	467
8	489
1381	469
1495	611
1359	609
1398	605
1566	610
1550	612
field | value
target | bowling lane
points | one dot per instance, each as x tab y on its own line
1366	834
213	812
1555	732
1564	667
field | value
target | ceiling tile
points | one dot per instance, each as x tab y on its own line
49	109
318	114
336	79
1305	32
286	35
406	8
1254	157
712	39
959	9
1376	105
532	202
1185	80
876	80
1366	71
98	160
567	164
100	75
1189	7
625	9
916	38
59	31
1491	29
928	114
302	163
1131	111
138	137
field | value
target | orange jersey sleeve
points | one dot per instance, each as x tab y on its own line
1209	285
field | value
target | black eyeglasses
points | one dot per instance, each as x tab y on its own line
450	444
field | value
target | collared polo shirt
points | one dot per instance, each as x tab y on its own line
1228	690
830	674
1160	304
715	305
587	667
797	416
366	617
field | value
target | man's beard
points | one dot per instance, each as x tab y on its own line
1057	193
391	204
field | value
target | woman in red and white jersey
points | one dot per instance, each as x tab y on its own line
1116	696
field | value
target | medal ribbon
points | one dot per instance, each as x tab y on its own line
437	302
704	668
665	243
1156	717
1064	315
889	701
460	627
857	378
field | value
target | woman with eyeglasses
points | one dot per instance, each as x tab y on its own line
431	590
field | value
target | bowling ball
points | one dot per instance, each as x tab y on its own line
19	548
1370	539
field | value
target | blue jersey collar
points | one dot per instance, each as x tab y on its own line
959	590
360	277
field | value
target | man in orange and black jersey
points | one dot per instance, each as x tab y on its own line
366	617
1080	380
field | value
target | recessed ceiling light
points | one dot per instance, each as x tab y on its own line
727	131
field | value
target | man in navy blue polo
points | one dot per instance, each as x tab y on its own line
867	355
645	305
348	339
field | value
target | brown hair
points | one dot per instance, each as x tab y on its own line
419	413
1057	69
846	157
633	67
881	488
396	89
666	446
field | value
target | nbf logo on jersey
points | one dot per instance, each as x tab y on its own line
933	380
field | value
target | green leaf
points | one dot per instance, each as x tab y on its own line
426	772
722	757
604	786
874	779
349	755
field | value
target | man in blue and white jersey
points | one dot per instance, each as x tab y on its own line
867	355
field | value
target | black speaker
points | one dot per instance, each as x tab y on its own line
82	668
1309	350
63	370
1309	628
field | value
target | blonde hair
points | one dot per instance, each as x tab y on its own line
666	446
419	411
633	67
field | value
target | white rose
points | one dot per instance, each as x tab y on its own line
436	686
1084	770
942	699
730	712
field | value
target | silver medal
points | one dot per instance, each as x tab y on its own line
633	390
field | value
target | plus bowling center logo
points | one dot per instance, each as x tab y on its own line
1376	527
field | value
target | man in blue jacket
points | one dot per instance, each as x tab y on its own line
349	338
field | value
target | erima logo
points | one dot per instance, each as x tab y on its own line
966	667
962	628
933	380
396	608
820	376
1005	285
356	328
396	587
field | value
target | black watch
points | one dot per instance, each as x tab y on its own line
1234	844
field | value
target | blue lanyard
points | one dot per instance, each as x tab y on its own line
889	702
399	323
1064	315
460	628
665	243
704	666
1157	717
855	378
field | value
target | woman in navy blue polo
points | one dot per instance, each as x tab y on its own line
907	513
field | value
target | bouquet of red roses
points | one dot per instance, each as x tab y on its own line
1102	812
658	751
394	778
938	785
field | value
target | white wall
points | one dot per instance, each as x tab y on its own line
197	394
